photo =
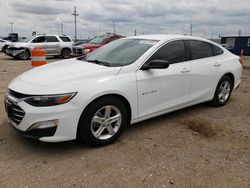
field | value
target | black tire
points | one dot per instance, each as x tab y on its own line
66	53
24	55
217	100
85	130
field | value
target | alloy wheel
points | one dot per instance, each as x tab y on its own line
224	91
106	122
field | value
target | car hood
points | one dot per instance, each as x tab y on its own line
61	76
18	44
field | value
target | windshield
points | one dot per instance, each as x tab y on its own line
27	39
120	52
98	39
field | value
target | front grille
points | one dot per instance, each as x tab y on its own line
77	50
14	112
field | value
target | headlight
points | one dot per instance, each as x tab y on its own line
86	51
50	100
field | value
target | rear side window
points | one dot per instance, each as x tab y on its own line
200	49
51	39
217	50
173	52
65	39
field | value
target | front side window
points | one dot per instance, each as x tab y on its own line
39	39
200	49
173	52
51	39
121	52
248	43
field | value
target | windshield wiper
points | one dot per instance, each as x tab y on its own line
98	62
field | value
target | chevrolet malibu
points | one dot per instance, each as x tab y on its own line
93	98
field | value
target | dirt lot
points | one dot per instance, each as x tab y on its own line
201	146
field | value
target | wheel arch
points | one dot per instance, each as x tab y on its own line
118	96
231	76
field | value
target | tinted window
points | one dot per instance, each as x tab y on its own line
200	49
51	39
39	40
65	39
217	50
173	52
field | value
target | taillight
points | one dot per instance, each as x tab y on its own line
241	56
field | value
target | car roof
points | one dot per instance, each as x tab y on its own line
166	37
51	35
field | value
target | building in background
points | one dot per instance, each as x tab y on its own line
237	43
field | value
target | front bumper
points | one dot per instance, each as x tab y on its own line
13	53
67	116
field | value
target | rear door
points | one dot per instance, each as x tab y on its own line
163	89
52	45
206	69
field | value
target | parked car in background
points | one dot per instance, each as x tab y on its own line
94	43
13	37
94	97
54	45
3	43
229	48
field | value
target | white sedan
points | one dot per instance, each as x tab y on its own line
126	81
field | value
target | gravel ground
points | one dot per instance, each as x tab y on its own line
201	146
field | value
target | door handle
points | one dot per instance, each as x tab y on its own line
216	64
185	70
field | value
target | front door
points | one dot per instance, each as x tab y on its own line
160	90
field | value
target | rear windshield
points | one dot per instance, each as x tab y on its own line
65	39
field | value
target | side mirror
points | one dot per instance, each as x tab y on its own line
155	64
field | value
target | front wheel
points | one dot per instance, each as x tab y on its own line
223	91
66	53
102	121
24	55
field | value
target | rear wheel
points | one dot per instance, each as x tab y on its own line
223	91
66	53
24	55
102	121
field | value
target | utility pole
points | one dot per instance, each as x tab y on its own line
11	26
58	25
135	32
191	29
240	33
62	28
75	14
114	29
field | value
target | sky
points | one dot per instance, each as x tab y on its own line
209	18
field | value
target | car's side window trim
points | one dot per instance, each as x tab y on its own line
167	42
212	45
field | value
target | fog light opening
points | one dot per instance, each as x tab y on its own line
44	124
